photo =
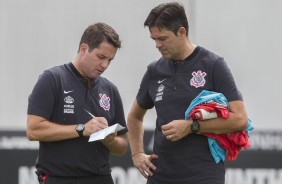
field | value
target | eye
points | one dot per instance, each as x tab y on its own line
162	38
101	56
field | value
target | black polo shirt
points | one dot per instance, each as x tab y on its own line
170	86
60	95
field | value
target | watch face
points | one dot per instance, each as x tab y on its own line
195	126
79	127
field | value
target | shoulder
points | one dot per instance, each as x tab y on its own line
54	76
58	73
157	63
161	66
208	55
57	70
106	83
209	59
53	71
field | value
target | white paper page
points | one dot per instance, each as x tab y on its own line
104	132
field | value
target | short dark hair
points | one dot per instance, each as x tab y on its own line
97	33
170	16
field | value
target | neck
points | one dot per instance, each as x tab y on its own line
75	63
89	82
188	49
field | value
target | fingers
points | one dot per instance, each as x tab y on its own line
143	163
111	136
176	130
95	124
145	172
101	122
166	127
153	156
169	137
151	165
168	131
147	169
172	137
110	139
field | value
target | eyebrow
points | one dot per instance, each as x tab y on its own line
103	55
158	38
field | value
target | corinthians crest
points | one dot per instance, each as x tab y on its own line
198	79
104	102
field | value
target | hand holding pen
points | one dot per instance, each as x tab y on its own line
95	124
110	139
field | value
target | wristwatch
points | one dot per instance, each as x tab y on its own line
79	128
195	126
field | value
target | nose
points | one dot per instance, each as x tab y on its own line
158	44
105	64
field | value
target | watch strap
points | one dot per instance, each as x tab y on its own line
195	126
80	128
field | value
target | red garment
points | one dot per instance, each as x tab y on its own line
221	110
233	142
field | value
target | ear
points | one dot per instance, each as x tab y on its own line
83	48
181	32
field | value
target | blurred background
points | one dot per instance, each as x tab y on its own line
38	34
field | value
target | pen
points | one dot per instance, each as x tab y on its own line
89	113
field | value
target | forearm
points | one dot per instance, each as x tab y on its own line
135	134
48	131
118	146
136	129
237	121
234	123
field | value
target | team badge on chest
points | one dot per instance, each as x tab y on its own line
198	79
105	102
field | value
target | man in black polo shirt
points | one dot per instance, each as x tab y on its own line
58	118
181	154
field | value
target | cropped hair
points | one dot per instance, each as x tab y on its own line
170	16
97	33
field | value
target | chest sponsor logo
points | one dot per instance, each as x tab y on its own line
69	107
159	95
105	102
69	100
198	79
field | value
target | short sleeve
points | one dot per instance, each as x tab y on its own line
42	99
143	96
224	81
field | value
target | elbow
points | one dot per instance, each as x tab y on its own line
30	135
120	152
123	150
32	128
